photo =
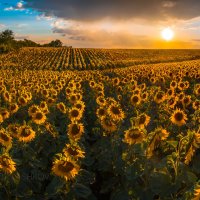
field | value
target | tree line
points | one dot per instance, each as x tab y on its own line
9	43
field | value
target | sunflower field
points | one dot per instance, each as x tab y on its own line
99	124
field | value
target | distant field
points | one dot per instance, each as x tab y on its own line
89	59
123	132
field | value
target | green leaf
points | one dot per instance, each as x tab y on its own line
119	195
82	191
173	143
55	186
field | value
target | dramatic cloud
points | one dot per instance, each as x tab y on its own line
117	9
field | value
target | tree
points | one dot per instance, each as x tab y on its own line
6	37
54	43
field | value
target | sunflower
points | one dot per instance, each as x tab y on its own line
196	105
72	98
39	117
101	101
75	114
61	106
80	105
1	118
7	165
73	151
143	120
173	84
108	125
26	134
159	97
22	101
65	168
186	100
13	130
4	113
116	81
7	96
134	135
197	91
43	105
5	139
178	117
13	108
144	96
170	92
172	102
115	112
181	85
135	99
162	133
75	130
33	109
101	113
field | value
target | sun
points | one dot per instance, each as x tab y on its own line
167	34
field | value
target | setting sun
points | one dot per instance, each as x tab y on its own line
167	34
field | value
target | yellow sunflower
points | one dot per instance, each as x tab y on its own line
143	120
61	106
39	117
75	130
73	151
13	130
7	165
108	125
26	134
75	114
13	108
159	97
178	117
101	113
115	112
5	139
65	168
135	99
134	135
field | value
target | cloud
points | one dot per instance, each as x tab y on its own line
2	26
19	6
117	9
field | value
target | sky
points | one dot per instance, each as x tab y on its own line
104	23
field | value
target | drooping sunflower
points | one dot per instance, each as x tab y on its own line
178	117
143	120
75	130
39	117
65	168
26	134
61	106
7	165
5	139
115	112
73	151
134	135
108	125
75	114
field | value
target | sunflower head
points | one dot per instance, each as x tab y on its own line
7	165
39	117
75	130
134	135
178	117
26	134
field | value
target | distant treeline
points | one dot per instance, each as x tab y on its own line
9	43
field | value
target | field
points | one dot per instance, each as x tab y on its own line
100	124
